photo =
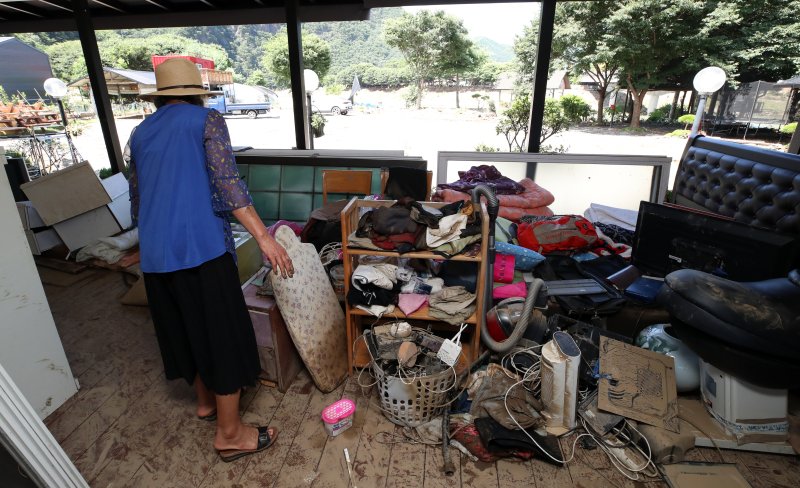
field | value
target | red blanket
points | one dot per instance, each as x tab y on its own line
533	201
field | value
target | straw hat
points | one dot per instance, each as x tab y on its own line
177	77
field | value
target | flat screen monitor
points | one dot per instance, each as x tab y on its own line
669	238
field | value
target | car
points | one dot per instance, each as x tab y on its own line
332	105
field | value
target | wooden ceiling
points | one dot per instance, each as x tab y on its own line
59	15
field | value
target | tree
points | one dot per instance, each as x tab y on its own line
754	40
526	47
578	43
459	57
655	43
116	51
432	43
514	122
316	56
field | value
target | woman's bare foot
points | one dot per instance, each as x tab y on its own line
245	437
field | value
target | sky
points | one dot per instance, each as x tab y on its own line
499	21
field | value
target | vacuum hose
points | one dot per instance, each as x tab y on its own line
492	208
540	322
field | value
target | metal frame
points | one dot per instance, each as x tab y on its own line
29	442
97	78
543	52
658	180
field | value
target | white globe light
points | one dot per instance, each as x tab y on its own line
311	80
55	87
709	80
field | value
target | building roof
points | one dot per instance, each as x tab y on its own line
791	81
124	81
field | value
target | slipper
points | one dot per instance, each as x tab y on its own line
264	441
210	417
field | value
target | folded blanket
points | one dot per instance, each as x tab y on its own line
534	196
514	213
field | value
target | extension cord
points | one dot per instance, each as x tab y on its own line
623	458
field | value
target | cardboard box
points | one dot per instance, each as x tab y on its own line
42	240
87	227
66	193
29	216
118	190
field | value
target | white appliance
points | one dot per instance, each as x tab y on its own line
559	371
749	412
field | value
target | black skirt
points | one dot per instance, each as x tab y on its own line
203	326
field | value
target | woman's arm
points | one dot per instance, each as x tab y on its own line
229	193
276	254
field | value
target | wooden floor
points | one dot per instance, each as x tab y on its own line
127	426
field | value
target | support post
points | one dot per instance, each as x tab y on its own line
545	47
98	81
302	128
698	117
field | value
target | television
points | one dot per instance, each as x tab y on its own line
668	238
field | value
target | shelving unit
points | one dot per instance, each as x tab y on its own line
358	357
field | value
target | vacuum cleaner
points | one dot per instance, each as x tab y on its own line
511	319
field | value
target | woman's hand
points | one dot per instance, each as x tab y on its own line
270	248
277	256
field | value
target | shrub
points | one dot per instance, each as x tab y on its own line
335	89
686	120
486	148
492	107
679	133
575	109
317	124
789	128
661	114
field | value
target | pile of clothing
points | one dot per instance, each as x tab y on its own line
379	287
516	199
409	226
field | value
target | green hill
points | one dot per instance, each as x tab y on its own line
501	53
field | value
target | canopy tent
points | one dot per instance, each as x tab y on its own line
123	81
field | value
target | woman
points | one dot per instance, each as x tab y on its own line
183	185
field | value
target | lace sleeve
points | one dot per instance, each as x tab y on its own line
228	190
133	181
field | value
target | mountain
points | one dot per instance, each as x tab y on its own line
500	53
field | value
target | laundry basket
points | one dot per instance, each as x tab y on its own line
412	402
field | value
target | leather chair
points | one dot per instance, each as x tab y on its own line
749	330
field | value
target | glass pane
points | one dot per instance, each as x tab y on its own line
366	94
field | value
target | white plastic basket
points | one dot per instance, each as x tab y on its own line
414	401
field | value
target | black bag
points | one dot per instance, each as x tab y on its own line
556	267
324	225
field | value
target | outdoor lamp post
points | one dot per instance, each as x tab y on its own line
706	81
311	81
58	90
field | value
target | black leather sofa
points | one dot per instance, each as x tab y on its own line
750	330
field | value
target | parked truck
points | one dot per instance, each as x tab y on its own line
252	109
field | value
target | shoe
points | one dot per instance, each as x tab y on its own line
210	417
264	441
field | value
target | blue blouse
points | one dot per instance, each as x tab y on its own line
183	185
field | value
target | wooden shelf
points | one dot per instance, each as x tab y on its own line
358	356
417	254
421	314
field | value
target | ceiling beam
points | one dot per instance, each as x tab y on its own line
25	9
162	4
111	4
62	4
